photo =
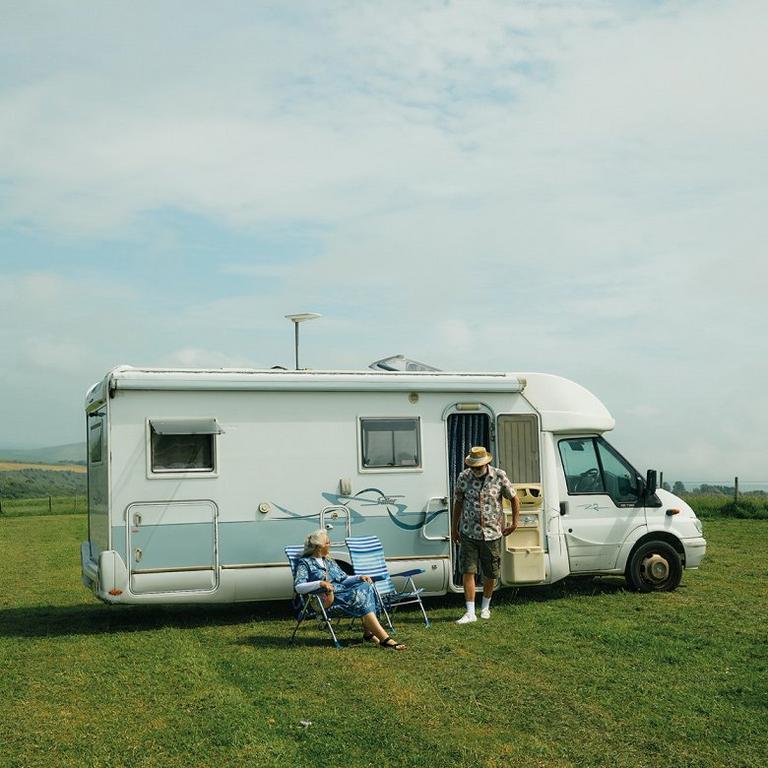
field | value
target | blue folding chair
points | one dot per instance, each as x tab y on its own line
310	606
367	557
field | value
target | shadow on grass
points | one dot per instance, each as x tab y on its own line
311	641
512	597
573	586
52	620
306	638
95	619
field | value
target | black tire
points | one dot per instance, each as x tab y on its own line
654	567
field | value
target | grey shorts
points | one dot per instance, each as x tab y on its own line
487	552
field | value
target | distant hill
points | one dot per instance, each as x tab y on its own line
33	483
74	453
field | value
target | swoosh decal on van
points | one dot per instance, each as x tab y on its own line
378	498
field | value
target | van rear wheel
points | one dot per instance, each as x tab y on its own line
654	567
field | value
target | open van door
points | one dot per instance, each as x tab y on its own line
463	431
522	556
603	502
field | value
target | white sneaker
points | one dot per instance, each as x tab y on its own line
467	618
485	613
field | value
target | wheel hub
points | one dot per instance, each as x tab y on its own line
655	568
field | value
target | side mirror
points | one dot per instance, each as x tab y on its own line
650	482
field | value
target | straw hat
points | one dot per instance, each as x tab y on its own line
477	456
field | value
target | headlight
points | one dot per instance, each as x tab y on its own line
699	526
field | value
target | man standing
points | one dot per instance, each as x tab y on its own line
478	525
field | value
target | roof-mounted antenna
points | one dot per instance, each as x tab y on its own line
300	317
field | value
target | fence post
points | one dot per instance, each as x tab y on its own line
1	506
661	479
736	490
75	503
50	509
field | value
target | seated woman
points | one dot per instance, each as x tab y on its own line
354	595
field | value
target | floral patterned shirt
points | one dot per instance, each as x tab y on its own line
482	513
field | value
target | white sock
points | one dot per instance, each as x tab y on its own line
486	603
471	608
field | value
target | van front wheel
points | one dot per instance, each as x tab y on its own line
654	567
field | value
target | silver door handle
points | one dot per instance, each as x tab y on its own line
440	500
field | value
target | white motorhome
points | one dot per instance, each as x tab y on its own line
197	479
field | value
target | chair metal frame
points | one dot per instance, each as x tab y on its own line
309	605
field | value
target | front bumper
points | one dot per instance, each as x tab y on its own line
695	549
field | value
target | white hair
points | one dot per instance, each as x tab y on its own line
314	541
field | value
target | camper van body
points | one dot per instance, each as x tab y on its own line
197	479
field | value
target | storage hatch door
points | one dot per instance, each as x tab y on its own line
172	546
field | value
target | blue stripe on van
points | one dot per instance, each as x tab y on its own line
250	542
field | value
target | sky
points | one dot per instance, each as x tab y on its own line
578	188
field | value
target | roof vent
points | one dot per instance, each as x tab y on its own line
400	363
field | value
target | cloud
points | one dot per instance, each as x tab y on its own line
644	410
396	107
280	271
55	355
192	357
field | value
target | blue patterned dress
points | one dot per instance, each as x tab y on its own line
353	596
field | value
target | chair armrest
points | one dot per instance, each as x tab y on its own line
412	572
318	591
379	577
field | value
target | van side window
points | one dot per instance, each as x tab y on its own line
592	466
621	480
582	469
390	443
95	443
183	445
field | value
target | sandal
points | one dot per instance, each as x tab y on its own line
369	637
388	644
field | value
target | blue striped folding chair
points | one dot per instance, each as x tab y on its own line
309	606
367	557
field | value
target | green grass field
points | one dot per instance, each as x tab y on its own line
45	505
583	673
707	505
